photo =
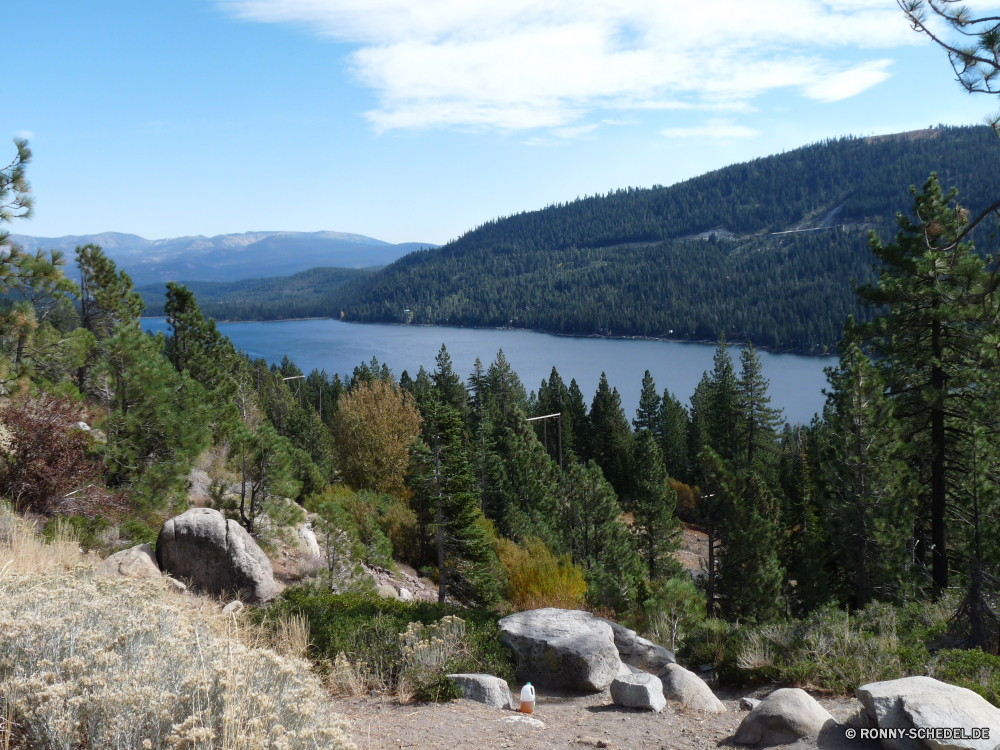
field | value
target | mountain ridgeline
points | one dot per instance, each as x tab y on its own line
768	251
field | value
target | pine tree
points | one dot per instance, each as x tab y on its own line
158	419
865	473
106	300
749	574
654	500
582	431
722	407
446	484
447	383
611	436
647	416
934	286
759	419
672	429
596	537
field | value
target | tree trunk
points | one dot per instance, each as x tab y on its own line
938	495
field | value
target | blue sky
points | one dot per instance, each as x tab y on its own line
415	120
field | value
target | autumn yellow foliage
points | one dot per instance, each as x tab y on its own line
536	578
375	425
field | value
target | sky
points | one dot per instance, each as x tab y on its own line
417	120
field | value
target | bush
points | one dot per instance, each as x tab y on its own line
357	637
830	648
88	661
969	669
536	578
47	464
673	611
365	511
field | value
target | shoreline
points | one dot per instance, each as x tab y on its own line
699	342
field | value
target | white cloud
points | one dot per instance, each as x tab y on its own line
712	129
521	64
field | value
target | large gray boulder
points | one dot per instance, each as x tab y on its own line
135	562
484	688
562	648
641	690
923	702
781	718
689	689
217	555
639	652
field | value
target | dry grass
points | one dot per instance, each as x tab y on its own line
88	661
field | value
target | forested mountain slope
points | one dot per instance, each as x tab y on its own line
632	262
306	294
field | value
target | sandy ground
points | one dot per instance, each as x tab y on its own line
567	720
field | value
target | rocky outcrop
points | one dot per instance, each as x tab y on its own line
689	689
781	718
562	648
309	541
923	702
216	555
136	562
641	690
639	652
484	688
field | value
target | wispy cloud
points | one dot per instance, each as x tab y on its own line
27	134
712	129
523	64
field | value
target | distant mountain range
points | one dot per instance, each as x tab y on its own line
231	257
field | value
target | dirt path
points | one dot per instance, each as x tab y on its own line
563	720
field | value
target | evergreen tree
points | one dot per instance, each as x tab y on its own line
722	412
106	299
447	383
582	432
934	286
158	419
446	484
596	536
672	430
611	436
749	575
865	474
760	420
647	416
656	528
263	462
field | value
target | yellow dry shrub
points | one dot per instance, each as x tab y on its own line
88	661
536	578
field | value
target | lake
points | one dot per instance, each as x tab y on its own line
337	347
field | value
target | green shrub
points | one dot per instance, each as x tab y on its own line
366	630
969	669
835	649
89	531
137	531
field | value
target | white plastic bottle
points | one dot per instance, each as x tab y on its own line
527	699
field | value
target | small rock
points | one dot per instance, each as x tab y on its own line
537	723
233	608
308	537
594	742
405	595
638	691
781	718
387	592
484	688
83	426
136	562
748	704
175	585
689	689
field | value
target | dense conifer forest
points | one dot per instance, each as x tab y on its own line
768	251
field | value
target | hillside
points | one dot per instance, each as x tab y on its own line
231	257
768	250
307	294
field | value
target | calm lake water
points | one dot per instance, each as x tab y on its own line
337	347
